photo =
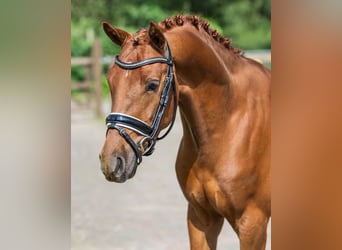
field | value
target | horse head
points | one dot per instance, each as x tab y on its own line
142	84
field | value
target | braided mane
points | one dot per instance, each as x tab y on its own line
196	21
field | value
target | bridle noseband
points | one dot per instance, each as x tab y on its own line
121	121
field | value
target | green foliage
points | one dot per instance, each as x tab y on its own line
247	22
82	37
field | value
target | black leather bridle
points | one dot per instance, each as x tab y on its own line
121	122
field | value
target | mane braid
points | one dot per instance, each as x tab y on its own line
139	37
197	22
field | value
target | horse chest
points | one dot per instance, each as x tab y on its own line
207	196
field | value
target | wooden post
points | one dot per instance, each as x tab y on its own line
87	84
97	72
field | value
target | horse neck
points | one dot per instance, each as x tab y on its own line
204	82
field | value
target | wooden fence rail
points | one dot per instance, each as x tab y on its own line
93	72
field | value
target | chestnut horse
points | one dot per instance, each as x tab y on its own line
223	162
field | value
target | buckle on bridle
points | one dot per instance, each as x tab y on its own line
146	146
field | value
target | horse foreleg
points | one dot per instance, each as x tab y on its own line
204	228
252	227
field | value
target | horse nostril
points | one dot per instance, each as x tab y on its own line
119	165
119	162
100	157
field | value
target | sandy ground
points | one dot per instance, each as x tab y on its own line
147	212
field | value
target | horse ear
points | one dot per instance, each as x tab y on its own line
156	36
117	35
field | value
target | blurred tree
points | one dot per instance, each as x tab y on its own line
247	22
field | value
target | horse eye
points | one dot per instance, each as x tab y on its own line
152	86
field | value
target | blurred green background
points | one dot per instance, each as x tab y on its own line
246	22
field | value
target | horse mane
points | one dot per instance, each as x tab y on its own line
197	22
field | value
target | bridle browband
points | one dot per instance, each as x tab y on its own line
121	121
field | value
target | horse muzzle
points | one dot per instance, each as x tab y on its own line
117	168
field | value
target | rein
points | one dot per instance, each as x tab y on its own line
121	121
